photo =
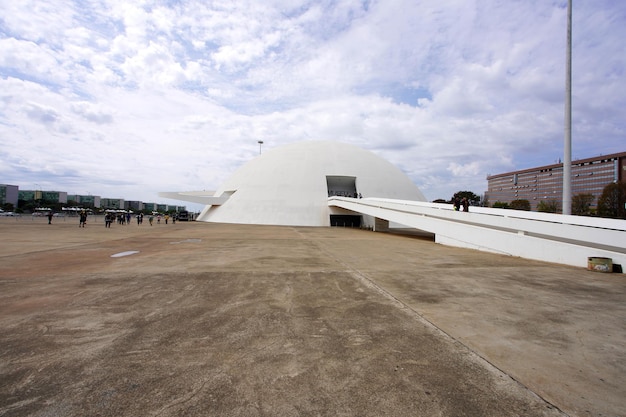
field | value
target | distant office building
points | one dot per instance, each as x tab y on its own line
112	203
133	205
35	198
43	196
29	195
589	176
85	200
54	196
9	194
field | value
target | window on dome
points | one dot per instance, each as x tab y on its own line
341	186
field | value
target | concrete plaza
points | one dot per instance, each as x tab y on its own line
200	319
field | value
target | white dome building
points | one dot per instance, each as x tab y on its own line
290	186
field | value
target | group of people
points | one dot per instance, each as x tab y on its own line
458	202
344	194
121	218
165	217
82	216
125	218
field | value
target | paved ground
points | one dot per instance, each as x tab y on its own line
231	320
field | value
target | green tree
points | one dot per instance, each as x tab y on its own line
501	204
473	199
612	202
581	204
520	205
26	205
548	206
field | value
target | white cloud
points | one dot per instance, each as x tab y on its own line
169	96
93	112
30	60
41	114
36	21
461	170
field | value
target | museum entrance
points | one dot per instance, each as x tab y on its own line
345	220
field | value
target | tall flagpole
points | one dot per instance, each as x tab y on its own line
567	148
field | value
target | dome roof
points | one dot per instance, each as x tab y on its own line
290	185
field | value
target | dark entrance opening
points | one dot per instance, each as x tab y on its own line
345	220
341	186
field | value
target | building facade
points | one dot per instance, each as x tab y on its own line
545	183
133	205
43	196
85	200
112	203
13	195
8	194
150	206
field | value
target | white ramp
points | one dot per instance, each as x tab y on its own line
546	237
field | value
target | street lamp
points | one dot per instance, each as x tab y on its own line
567	146
260	142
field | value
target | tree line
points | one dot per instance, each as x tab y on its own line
611	204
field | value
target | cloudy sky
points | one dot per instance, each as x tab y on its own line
124	99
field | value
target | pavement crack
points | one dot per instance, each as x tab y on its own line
372	285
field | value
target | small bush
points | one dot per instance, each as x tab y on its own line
520	205
548	206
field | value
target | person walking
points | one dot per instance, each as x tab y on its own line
457	204
50	214
465	203
82	219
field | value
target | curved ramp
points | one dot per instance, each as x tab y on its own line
557	238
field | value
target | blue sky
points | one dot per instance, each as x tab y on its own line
124	99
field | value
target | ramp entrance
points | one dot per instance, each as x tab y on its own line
341	186
345	220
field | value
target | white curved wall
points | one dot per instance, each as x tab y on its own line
287	185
